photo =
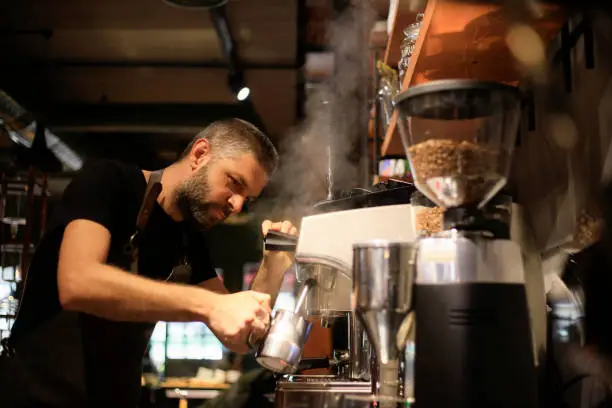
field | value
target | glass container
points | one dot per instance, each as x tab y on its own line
459	136
387	91
411	33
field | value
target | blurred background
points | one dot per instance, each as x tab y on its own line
136	80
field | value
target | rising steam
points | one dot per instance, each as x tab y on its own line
318	157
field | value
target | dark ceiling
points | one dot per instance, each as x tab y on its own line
136	79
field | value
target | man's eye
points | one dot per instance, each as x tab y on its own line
232	180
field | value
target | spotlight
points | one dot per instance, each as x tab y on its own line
243	93
236	84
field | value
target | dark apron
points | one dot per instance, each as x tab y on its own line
126	341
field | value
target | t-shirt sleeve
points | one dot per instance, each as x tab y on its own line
94	194
202	267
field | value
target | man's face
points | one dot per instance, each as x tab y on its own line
219	187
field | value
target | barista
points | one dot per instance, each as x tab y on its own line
125	250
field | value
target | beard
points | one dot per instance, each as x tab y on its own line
193	200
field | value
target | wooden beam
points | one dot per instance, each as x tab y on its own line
184	45
138	84
273	92
136	14
140	118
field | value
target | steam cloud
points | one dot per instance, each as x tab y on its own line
319	157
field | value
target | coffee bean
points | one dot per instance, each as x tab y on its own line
588	230
473	168
428	220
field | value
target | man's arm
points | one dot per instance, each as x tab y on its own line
269	278
214	285
87	284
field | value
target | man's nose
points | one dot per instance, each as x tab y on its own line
236	202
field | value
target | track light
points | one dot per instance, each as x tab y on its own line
238	87
243	93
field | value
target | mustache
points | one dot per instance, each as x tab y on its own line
226	210
203	217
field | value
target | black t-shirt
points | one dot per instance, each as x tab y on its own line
69	359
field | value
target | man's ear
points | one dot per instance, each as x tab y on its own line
200	154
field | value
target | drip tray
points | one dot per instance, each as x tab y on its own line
317	391
328	383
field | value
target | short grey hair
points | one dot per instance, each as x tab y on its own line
233	137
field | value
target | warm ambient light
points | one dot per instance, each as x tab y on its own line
243	93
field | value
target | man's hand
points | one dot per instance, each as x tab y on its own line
278	259
285	227
235	316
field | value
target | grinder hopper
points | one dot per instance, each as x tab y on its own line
459	136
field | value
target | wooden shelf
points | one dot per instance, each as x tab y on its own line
463	40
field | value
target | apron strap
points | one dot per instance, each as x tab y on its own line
152	192
154	188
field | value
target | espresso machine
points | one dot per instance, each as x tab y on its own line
472	324
324	275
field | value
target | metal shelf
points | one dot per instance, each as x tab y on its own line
23	203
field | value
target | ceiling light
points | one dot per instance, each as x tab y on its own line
237	85
243	93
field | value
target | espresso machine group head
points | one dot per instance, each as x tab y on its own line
473	337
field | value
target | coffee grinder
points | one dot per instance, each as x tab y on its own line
473	335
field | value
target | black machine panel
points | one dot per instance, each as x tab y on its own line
388	192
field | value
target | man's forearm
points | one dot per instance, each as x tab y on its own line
111	293
270	275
